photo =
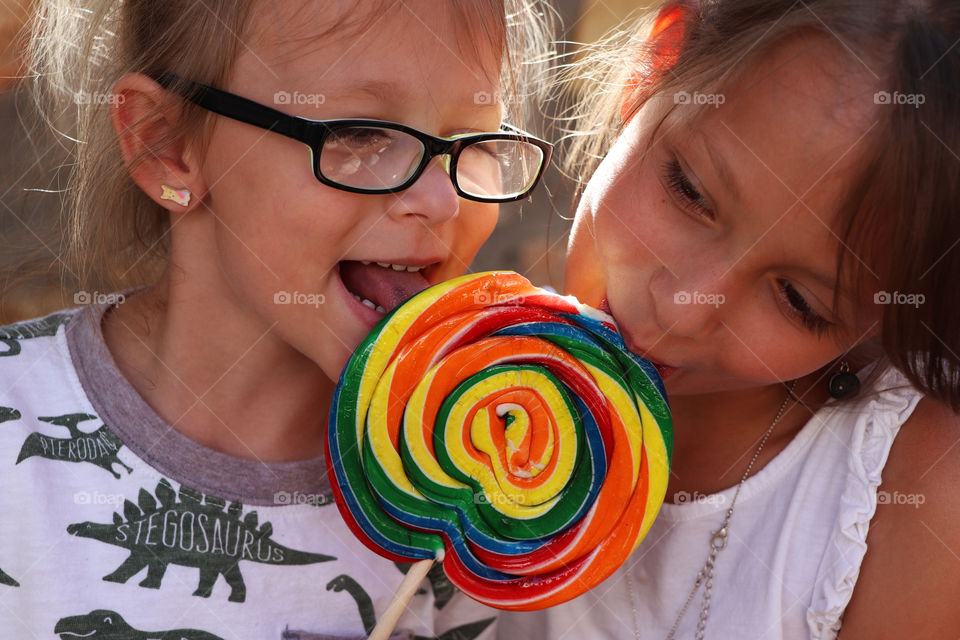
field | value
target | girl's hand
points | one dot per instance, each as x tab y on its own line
910	578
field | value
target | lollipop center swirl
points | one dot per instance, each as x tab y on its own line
518	435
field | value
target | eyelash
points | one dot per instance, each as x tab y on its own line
679	183
811	320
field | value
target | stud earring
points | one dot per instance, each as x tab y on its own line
180	196
843	383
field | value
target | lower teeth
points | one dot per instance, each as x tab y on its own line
369	303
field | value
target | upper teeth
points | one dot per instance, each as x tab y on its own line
395	267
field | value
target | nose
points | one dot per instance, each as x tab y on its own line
432	197
690	302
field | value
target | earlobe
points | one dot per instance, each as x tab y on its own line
145	122
660	52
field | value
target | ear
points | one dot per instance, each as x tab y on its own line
143	115
660	52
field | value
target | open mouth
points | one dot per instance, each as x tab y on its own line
382	286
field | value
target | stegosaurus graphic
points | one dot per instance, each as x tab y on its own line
12	334
194	531
368	616
7	414
97	447
102	624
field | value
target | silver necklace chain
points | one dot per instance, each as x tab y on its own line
717	544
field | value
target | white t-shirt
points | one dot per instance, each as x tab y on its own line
796	541
115	525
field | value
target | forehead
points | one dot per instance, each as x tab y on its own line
793	128
329	42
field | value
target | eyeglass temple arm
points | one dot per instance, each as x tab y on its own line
242	109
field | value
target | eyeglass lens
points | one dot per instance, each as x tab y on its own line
375	158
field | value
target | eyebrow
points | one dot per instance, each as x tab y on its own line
382	91
828	283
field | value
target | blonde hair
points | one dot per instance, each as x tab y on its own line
114	236
897	219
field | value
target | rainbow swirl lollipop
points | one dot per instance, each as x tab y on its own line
503	429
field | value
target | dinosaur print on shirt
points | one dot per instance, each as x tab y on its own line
12	334
102	624
97	447
7	414
193	532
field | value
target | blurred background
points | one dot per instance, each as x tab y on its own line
530	238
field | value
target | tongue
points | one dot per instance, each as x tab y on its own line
381	285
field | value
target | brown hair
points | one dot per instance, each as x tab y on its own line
113	235
899	221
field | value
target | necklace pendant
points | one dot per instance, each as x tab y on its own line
719	540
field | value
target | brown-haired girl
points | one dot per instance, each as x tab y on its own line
274	176
774	220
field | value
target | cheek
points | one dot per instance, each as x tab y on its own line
468	231
758	347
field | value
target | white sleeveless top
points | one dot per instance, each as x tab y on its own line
795	545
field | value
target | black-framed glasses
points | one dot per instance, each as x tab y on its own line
374	156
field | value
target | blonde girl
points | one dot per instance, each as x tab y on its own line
255	184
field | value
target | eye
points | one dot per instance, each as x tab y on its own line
802	310
680	184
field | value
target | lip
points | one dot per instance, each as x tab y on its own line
665	370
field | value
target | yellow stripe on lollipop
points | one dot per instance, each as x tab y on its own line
381	444
626	407
414	434
658	468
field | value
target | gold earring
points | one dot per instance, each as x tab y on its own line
180	196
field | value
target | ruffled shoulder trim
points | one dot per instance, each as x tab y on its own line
878	419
